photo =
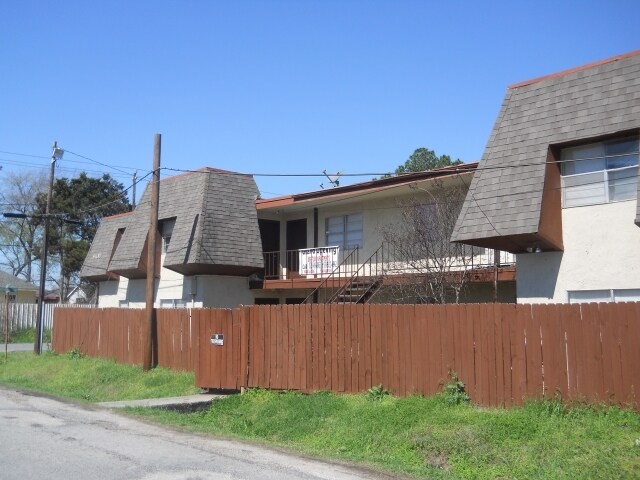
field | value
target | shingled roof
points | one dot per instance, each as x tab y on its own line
96	263
504	205
215	232
8	280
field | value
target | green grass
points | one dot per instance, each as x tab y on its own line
91	379
431	438
28	336
428	437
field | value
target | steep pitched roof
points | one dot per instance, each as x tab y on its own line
215	232
96	263
506	194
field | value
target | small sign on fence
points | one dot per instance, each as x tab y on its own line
217	339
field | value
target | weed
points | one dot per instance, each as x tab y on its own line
75	353
377	393
454	391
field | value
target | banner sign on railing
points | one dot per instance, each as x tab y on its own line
318	260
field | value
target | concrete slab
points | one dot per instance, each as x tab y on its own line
22	347
189	402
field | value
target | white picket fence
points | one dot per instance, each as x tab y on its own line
24	315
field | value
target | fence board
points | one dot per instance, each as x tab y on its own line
361	357
506	317
592	352
498	356
517	332
534	354
553	352
376	363
434	351
630	354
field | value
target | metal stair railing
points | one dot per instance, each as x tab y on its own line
366	280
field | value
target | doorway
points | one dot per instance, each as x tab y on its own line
270	236
296	240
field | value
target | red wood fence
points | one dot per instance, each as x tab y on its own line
503	353
119	333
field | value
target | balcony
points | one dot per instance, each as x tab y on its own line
284	269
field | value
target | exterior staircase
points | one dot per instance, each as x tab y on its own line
358	287
357	291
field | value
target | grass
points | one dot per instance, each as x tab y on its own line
431	437
441	437
28	336
91	379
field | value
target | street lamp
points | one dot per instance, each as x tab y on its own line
56	154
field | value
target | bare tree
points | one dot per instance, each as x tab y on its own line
423	265
19	237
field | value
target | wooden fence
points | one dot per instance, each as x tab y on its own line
119	334
503	353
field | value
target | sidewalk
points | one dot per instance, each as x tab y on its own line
189	402
22	347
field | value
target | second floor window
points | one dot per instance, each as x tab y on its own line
166	230
344	231
600	172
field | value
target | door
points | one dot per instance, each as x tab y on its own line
270	236
296	239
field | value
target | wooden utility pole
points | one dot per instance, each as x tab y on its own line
133	190
496	267
37	344
150	351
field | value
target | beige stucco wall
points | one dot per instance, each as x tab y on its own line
223	291
26	296
601	251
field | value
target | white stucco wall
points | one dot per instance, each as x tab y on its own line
197	291
601	251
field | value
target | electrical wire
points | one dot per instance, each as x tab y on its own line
113	167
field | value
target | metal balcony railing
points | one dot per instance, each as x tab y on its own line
387	260
285	265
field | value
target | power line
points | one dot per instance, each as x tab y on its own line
113	167
119	198
39	166
258	174
318	174
24	154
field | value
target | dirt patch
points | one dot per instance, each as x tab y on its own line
439	461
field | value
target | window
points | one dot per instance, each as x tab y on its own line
166	229
172	303
600	172
344	231
604	296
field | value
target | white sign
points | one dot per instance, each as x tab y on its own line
318	260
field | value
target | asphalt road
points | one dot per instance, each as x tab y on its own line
45	438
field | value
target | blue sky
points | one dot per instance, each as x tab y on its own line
278	87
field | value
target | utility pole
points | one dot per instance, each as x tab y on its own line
496	267
56	154
150	351
133	191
